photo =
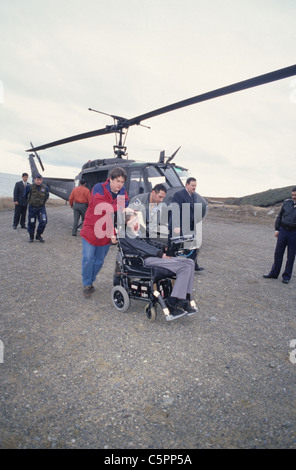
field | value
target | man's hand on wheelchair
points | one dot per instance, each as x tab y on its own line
177	230
166	257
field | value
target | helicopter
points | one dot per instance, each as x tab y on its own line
141	176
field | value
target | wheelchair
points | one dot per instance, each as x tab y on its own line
152	285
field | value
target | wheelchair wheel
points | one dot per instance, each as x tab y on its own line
120	298
151	312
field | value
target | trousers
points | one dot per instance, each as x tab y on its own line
19	215
286	239
184	270
79	211
92	261
34	214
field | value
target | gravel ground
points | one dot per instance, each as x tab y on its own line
77	373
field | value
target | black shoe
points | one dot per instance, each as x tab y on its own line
175	309
14	227
38	237
23	226
269	276
286	281
31	239
189	306
198	268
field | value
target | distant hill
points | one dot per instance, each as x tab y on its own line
267	198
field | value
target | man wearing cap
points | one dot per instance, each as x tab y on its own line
37	198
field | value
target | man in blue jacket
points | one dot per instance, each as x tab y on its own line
20	193
285	232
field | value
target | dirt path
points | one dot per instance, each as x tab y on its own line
79	374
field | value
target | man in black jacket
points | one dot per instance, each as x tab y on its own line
20	201
184	226
285	232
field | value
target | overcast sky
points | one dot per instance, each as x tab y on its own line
128	57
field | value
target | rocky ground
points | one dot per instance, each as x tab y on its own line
77	373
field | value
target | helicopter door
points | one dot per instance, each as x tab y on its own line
136	183
95	177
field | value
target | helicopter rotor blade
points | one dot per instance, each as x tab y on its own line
173	155
239	86
126	123
85	135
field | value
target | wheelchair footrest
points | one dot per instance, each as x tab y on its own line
174	317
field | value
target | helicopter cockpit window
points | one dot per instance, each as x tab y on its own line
136	184
171	177
164	175
155	176
183	174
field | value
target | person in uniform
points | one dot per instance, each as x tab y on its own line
150	207
285	232
20	194
37	197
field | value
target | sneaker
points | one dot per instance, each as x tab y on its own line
88	290
38	237
31	239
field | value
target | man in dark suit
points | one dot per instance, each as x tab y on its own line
188	196
20	201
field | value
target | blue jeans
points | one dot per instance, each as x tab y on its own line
92	260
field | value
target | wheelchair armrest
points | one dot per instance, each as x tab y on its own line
133	260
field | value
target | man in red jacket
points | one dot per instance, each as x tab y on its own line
79	201
98	230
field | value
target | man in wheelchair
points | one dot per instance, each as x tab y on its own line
154	255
